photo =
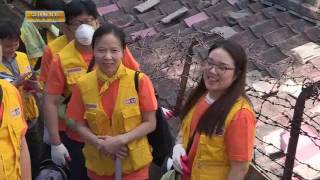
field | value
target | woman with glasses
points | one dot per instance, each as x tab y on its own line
217	135
67	66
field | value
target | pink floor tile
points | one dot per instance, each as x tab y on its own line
306	148
196	19
107	9
232	1
144	33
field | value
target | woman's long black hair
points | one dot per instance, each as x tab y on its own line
212	121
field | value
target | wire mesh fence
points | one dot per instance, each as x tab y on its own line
173	61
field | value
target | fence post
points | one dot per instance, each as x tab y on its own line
184	77
295	130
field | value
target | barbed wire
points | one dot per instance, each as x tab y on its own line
274	105
280	150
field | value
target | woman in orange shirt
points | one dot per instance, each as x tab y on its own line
217	135
112	115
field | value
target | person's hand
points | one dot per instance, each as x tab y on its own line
99	144
31	86
122	153
59	154
20	80
111	145
177	154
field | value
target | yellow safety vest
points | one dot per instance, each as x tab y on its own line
211	160
11	133
73	65
30	107
22	62
57	44
125	117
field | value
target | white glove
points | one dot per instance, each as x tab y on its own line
178	151
46	137
169	164
59	154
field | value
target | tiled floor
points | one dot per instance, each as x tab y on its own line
268	34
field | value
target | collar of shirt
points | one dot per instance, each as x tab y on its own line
209	99
108	80
12	65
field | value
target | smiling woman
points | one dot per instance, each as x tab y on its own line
113	117
217	135
108	49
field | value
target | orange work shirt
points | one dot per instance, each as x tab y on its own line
147	103
45	64
56	85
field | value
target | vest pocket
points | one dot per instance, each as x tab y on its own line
216	173
15	135
97	162
132	117
212	149
139	150
2	170
139	153
97	122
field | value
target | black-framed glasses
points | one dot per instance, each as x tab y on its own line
77	23
219	68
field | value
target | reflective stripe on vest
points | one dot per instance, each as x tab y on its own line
211	160
11	130
73	65
125	117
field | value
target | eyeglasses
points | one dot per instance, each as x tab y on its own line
219	69
77	23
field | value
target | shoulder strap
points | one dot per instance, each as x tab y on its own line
190	142
136	80
1	94
91	65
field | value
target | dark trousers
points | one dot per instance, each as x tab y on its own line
77	167
35	145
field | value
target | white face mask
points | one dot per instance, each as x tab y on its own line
84	34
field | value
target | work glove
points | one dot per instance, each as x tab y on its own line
177	154
59	154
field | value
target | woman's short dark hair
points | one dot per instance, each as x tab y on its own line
212	121
78	7
49	5
108	28
9	30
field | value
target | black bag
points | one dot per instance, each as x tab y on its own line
50	171
161	139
